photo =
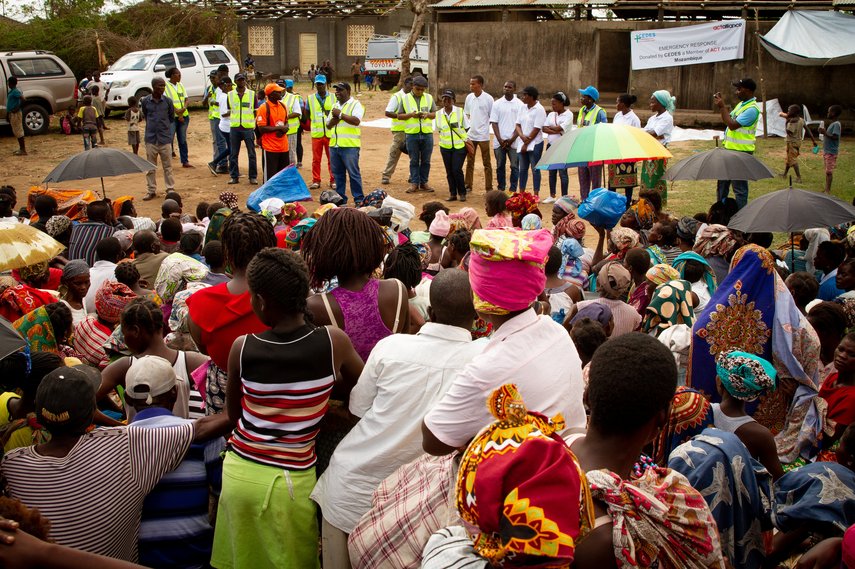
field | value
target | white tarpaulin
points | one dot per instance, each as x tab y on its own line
812	38
687	45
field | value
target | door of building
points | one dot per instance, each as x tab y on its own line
308	51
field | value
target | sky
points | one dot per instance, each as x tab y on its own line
23	10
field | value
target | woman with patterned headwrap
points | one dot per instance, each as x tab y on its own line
752	311
26	296
73	287
742	378
640	217
660	125
689	414
669	318
94	332
716	244
47	329
521	204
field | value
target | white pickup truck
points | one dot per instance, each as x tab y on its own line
132	73
383	59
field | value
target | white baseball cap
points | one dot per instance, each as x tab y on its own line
148	377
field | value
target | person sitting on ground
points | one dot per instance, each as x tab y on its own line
404	377
621	240
639	217
804	288
561	295
190	244
85	235
170	235
8	199
74	285
845	280
59	227
213	254
532	351
92	333
456	248
829	256
47	329
613	282
637	261
439	228
404	263
27	295
170	208
221	313
21	380
108	253
717	244
664	234
46	207
669	318
632	382
838	390
175	528
740	379
687	232
427	216
495	206
587	335
347	244
147	255
829	321
695	269
597	312
286	373
65	405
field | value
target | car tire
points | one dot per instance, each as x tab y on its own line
142	93
36	119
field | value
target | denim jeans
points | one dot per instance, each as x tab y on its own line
528	160
502	156
237	136
179	131
218	143
346	161
554	176
590	178
420	147
740	191
453	160
224	154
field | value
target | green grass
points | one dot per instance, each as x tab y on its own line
689	198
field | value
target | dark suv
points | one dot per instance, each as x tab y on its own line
48	86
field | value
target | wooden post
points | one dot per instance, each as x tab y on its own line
760	69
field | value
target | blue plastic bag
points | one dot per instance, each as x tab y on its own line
287	185
603	208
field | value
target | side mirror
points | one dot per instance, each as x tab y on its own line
159	68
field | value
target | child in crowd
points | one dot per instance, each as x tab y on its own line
133	117
740	378
831	143
561	295
213	254
838	390
68	121
190	244
796	130
87	117
494	205
98	103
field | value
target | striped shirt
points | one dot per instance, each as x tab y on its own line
286	381
176	531
626	318
93	496
84	237
89	339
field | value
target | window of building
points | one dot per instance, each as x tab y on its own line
260	40
357	39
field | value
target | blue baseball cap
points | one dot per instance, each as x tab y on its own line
591	91
289	83
321	78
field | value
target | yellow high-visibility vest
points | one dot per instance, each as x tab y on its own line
451	131
178	94
345	135
213	107
242	109
415	125
289	99
743	138
318	112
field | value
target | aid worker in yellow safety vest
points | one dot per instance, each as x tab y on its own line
590	177
345	142
419	112
178	94
218	143
451	124
399	137
320	105
294	103
740	134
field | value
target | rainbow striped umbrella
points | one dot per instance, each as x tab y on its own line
602	143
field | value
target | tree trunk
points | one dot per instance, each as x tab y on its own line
419	9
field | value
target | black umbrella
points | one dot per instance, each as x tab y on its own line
791	210
719	164
10	340
99	163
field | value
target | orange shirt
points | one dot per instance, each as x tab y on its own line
273	141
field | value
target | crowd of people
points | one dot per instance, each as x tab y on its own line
379	387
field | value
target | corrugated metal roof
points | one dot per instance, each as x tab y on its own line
518	3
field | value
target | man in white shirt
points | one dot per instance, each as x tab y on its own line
478	105
506	144
108	252
533	352
399	137
402	379
224	127
529	124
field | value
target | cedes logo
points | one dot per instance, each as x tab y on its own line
727	26
644	36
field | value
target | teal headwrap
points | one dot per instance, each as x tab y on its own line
745	376
666	100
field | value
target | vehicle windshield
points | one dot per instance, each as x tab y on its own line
133	62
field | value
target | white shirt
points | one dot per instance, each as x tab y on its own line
529	119
477	110
223	103
101	271
77	314
661	125
564	120
402	380
531	351
357	111
505	113
629	119
395	105
700	288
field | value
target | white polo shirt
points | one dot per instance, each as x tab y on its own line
477	110
661	125
529	119
505	114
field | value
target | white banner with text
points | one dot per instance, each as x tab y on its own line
688	45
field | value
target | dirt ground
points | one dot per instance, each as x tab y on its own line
197	184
